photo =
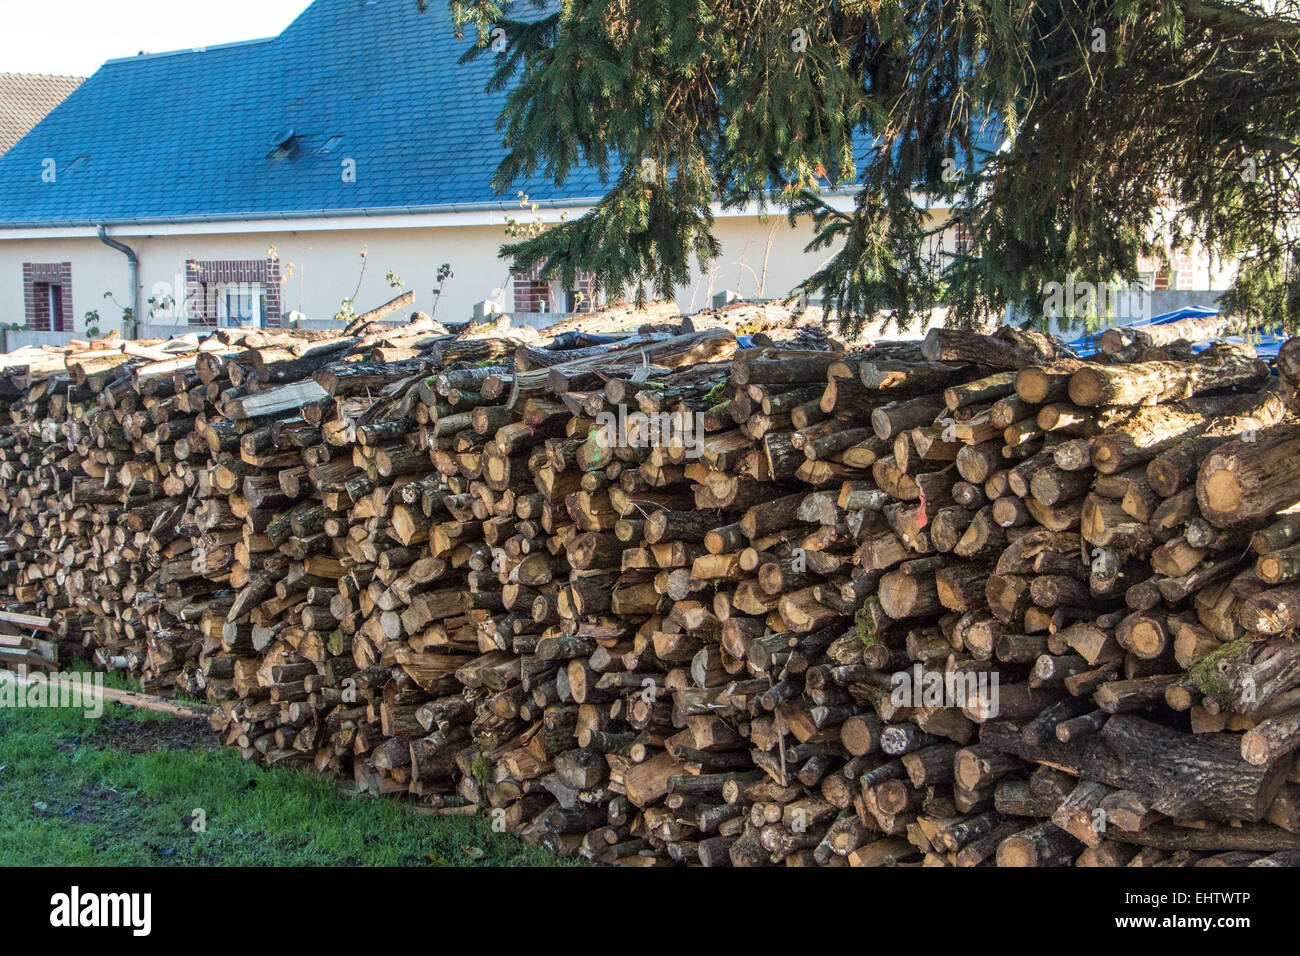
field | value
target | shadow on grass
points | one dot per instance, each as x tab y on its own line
137	788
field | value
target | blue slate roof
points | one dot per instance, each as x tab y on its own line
185	135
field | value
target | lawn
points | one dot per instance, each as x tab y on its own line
137	788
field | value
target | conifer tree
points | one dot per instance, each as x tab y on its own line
1069	137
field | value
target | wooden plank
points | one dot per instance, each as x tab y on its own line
26	620
128	698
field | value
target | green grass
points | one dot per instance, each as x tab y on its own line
122	791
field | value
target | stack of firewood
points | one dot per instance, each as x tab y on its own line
676	598
82	500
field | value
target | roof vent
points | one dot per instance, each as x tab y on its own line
282	144
330	144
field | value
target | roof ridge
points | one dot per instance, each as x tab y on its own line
197	49
45	76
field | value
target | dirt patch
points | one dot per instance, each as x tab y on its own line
134	736
94	802
117	816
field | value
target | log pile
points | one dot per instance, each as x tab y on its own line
667	599
80	501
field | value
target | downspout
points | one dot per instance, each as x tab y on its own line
132	276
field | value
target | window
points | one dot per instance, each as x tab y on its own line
242	303
47	296
587	297
49	305
233	292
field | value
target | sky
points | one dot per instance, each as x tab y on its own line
75	37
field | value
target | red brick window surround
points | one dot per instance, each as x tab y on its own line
47	296
255	281
534	294
965	242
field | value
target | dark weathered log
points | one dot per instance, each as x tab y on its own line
1183	775
1193	330
1009	348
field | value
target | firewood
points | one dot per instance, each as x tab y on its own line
443	578
1245	480
1153	382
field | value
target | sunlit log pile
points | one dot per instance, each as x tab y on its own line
651	593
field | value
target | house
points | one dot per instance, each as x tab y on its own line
239	183
304	173
26	99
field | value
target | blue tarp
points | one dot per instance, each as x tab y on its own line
1266	344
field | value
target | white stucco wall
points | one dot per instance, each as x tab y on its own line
101	269
322	267
760	259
